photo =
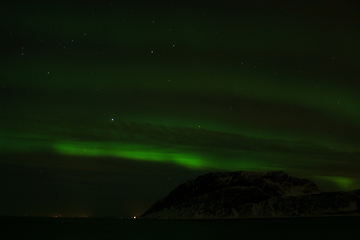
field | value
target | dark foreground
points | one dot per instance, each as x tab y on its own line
285	228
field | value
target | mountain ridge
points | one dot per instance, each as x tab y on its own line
246	194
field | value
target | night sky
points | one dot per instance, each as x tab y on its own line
107	106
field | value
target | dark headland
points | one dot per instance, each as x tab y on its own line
246	194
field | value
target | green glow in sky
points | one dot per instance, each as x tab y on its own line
186	157
205	86
130	151
345	183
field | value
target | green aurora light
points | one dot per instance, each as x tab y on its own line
179	90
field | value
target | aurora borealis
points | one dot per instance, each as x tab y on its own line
107	106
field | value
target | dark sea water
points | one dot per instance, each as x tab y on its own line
286	228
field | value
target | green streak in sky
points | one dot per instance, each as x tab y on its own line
129	151
186	157
17	142
190	156
332	99
344	183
